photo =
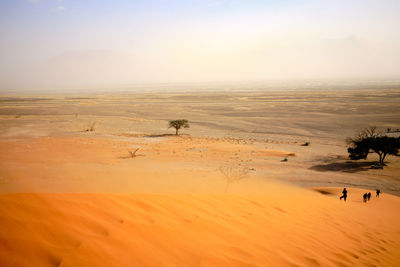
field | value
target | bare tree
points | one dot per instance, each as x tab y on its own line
370	132
133	153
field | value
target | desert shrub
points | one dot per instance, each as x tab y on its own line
91	127
133	153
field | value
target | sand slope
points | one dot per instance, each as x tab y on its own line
285	226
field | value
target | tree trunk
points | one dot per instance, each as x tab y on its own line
383	158
176	131
380	158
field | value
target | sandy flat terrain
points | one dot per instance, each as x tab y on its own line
219	194
102	164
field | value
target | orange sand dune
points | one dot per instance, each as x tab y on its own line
283	226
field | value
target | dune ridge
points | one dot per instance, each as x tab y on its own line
284	226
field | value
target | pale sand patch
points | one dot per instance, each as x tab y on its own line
98	164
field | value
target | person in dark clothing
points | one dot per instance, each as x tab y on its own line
365	197
369	196
378	191
344	196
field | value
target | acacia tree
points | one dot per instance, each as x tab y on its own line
178	124
372	141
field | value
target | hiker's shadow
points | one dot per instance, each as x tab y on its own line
347	166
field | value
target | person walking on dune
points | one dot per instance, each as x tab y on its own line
365	197
344	196
369	196
378	191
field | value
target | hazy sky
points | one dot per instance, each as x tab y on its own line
77	43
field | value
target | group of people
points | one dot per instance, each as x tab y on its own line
366	196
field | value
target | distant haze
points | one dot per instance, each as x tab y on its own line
71	43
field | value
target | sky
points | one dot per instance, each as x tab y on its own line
79	43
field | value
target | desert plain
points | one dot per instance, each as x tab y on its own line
240	187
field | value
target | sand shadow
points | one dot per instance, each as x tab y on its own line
323	191
348	166
153	135
167	135
159	135
130	157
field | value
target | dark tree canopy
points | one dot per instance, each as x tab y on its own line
371	141
178	124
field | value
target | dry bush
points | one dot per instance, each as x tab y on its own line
91	127
133	153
